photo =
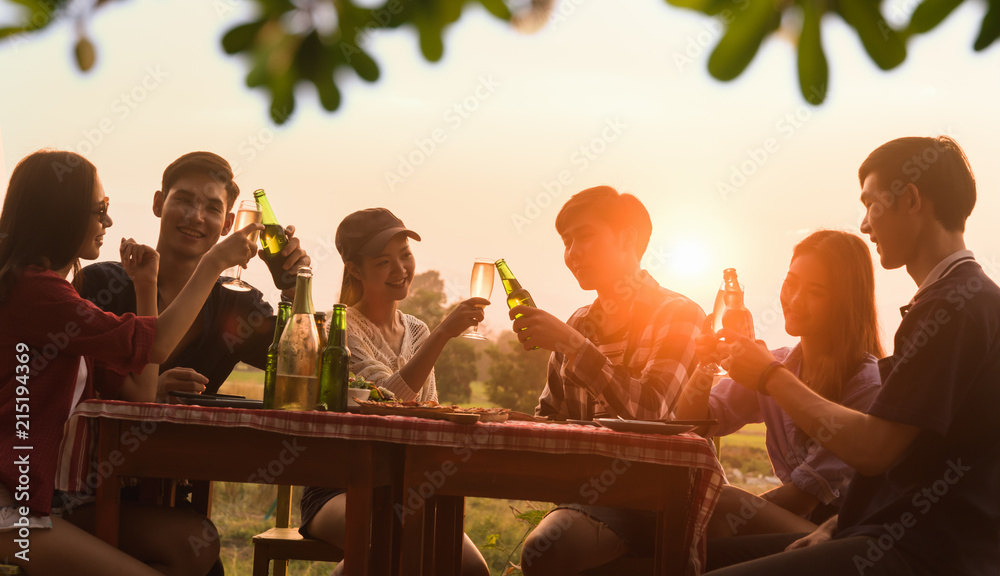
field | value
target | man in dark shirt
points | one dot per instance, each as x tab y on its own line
194	205
924	499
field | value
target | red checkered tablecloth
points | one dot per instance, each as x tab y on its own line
683	450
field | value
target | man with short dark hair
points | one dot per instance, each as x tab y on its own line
627	355
194	205
924	499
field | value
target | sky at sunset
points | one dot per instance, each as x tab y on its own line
478	151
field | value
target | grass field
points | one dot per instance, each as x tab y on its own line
242	510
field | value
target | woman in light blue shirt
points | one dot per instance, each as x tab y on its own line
828	301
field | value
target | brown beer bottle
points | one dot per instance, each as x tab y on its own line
730	311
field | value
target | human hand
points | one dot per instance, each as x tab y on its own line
822	533
467	314
706	344
545	330
181	380
236	249
744	359
293	257
141	262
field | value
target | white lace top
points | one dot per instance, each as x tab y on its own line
374	360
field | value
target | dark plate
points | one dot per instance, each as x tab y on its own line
643	427
213	401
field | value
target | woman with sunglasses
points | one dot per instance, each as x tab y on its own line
62	349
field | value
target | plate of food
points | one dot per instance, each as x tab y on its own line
487	414
413	409
644	427
359	389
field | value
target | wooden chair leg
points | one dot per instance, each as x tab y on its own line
280	566
261	562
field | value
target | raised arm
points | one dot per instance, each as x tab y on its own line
868	444
174	322
464	316
650	394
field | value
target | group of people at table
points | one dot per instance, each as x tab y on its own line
889	463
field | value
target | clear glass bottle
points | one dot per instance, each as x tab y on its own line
297	384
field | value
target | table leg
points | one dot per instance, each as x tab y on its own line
450	523
671	554
357	537
108	490
383	552
430	519
411	560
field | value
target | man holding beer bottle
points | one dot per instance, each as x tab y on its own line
627	355
924	498
194	205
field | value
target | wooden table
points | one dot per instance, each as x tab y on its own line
157	441
676	477
393	458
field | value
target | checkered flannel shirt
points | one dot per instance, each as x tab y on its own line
659	356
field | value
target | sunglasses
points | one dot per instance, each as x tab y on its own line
102	210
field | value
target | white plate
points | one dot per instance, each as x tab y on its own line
643	427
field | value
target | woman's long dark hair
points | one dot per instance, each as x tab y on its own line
854	331
45	214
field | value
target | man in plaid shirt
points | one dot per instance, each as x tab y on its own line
627	354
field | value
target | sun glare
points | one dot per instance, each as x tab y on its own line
688	259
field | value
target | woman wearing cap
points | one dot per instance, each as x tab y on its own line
390	348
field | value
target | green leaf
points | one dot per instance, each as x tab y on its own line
704	6
881	42
11	30
990	29
743	38
813	70
242	37
85	54
531	517
496	8
929	14
492	541
431	43
364	65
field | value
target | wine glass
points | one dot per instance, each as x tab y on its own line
249	213
481	286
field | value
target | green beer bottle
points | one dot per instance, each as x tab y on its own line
516	296
335	364
273	241
271	371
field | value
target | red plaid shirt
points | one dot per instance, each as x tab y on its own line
659	355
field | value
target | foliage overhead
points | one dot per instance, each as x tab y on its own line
289	43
